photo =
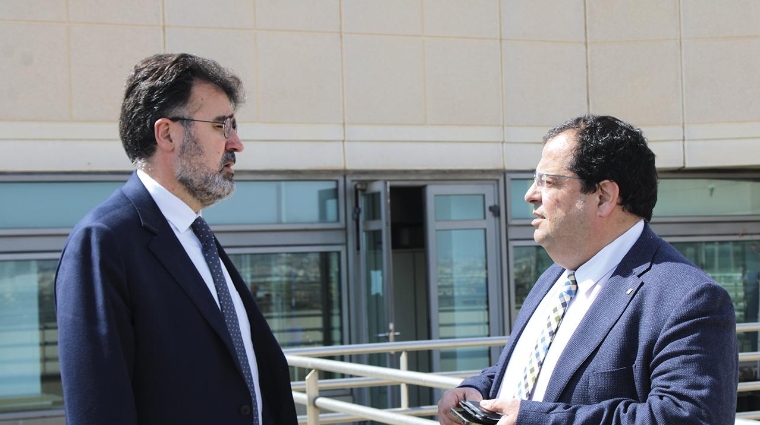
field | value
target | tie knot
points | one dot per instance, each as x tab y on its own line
202	231
571	286
570	276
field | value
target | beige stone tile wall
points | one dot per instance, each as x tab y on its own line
392	84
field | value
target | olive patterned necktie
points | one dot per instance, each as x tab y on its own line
537	356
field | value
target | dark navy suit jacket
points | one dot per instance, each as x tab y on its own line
141	339
658	346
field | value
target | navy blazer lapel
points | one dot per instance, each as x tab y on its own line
170	252
609	305
529	306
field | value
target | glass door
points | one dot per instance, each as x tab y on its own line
375	253
463	268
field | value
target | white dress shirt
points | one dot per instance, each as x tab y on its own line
591	278
180	216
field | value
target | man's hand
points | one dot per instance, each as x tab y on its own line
451	398
509	408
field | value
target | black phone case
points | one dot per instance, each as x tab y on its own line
477	414
459	414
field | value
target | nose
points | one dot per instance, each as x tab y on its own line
234	143
533	194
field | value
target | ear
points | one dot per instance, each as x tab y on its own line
162	131
609	196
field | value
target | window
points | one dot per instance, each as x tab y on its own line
518	208
707	197
28	204
298	293
278	202
296	272
677	197
735	265
29	373
529	262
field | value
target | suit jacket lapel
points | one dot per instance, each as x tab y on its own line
529	306
609	305
170	252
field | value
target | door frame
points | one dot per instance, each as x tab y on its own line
356	291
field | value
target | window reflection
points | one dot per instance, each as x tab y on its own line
277	202
459	207
462	295
27	204
707	197
29	372
735	265
298	293
529	263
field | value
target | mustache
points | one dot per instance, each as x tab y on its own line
228	156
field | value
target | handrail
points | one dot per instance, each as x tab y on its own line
363	412
407	377
434	344
390	347
308	357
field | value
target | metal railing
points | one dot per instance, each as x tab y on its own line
307	392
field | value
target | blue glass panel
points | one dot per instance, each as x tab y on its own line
529	263
299	294
707	197
518	208
459	207
49	204
29	371
277	202
462	295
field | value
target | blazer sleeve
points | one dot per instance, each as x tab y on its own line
96	345
692	377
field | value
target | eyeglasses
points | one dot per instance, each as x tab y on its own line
228	124
540	178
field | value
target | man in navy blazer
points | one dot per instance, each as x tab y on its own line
647	337
142	339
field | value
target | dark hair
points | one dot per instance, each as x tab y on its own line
611	149
159	86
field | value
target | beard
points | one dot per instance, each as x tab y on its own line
207	186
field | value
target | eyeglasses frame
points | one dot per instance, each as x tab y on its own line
539	179
228	124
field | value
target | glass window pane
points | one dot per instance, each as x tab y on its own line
462	295
29	372
459	207
298	293
707	197
519	209
28	204
735	265
277	202
372	206
529	263
377	322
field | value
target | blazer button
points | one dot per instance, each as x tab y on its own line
245	410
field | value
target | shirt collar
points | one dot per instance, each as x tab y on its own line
176	211
605	261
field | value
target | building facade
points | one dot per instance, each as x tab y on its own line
388	145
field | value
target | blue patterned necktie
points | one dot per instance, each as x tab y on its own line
537	356
210	253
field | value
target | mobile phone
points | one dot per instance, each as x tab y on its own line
459	414
479	414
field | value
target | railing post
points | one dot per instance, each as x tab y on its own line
312	393
404	365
